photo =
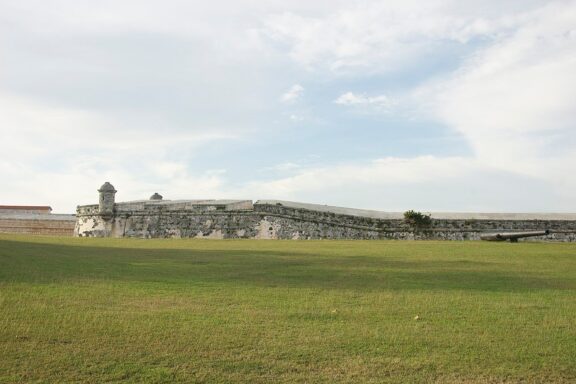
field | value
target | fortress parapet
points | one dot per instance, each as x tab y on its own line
275	219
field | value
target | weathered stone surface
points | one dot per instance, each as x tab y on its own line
271	219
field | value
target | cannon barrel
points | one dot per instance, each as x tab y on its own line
512	236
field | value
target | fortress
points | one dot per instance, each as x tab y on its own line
273	219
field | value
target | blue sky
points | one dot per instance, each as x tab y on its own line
431	105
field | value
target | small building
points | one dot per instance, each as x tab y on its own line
24	209
35	220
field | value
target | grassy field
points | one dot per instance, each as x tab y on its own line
162	311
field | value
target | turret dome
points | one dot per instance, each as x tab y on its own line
107	187
156	196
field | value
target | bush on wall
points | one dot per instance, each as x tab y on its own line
417	219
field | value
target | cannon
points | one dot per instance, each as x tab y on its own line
512	236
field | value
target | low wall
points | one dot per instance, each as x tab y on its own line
277	221
55	225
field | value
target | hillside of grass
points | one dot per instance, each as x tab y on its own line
164	311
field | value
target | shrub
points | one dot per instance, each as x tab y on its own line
417	219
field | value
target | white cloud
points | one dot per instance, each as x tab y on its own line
48	130
296	118
73	150
424	183
515	101
293	94
131	95
64	190
377	36
386	170
283	167
381	102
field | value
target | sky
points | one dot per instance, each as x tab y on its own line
432	105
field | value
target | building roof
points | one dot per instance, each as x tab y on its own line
27	207
37	216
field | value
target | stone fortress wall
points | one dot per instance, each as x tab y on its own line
272	219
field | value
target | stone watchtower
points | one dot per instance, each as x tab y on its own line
106	202
156	196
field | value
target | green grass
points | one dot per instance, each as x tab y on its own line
162	311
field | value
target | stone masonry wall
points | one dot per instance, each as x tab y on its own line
37	226
303	223
268	221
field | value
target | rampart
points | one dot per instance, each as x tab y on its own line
270	219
